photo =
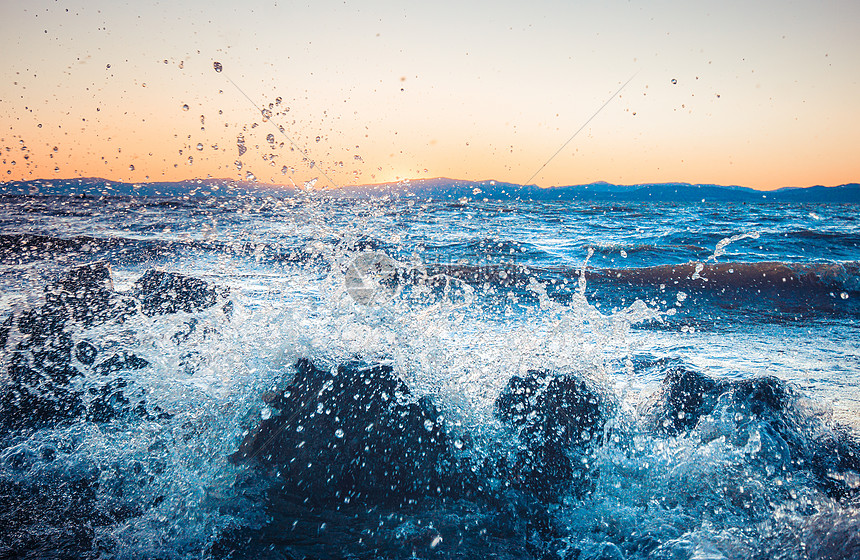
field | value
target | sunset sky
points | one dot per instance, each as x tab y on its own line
762	94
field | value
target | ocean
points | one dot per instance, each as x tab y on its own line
266	375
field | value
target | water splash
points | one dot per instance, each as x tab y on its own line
720	249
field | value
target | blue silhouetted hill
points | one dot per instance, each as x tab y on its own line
444	189
452	189
96	187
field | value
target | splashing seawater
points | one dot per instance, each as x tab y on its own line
515	409
720	249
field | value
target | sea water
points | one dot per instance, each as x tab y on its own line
457	297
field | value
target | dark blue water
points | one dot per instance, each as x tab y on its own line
307	377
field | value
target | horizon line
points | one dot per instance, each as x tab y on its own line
417	180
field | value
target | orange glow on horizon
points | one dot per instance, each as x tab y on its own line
373	95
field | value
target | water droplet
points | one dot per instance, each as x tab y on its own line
428	425
56	149
185	107
267	114
278	100
338	433
843	295
238	164
266	413
270	138
458	443
681	296
250	176
217	66
284	170
39	125
199	146
190	160
131	167
674	81
623	253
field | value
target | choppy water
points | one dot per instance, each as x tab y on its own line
716	345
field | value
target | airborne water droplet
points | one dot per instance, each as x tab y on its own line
674	81
185	107
318	138
131	167
199	146
338	433
217	66
270	138
428	425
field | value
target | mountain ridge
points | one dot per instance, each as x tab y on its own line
445	188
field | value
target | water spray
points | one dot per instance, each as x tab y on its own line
220	68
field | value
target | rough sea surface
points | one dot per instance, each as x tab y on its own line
261	376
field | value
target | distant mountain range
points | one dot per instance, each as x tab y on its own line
653	192
447	189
